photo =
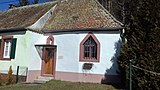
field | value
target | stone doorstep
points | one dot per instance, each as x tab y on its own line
42	79
46	78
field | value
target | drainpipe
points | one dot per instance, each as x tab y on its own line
130	74
122	36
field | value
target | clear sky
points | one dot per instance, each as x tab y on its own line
4	4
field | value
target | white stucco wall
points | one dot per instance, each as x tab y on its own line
68	51
68	48
34	58
20	57
26	54
107	51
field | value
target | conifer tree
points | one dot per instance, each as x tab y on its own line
23	2
143	44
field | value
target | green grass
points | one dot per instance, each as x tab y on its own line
58	85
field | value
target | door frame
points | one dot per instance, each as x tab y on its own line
53	62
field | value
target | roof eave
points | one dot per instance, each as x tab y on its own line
11	30
83	30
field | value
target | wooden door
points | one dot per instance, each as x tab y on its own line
48	65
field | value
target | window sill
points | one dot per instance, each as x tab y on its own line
5	59
89	60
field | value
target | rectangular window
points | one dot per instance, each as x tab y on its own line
8	47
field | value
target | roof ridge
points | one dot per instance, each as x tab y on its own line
107	12
33	5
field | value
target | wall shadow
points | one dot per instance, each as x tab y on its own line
111	75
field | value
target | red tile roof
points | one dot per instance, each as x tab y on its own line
1	12
80	14
23	17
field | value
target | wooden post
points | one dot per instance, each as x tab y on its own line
17	74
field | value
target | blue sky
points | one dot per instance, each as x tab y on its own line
4	4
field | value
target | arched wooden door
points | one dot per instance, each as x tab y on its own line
49	62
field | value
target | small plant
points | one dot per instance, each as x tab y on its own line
1	80
10	76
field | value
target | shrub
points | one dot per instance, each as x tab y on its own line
1	80
10	76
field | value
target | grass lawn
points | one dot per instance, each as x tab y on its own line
58	85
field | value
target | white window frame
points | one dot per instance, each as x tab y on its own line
7	48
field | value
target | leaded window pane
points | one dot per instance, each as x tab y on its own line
90	49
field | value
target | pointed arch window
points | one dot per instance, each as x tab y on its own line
90	49
50	40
